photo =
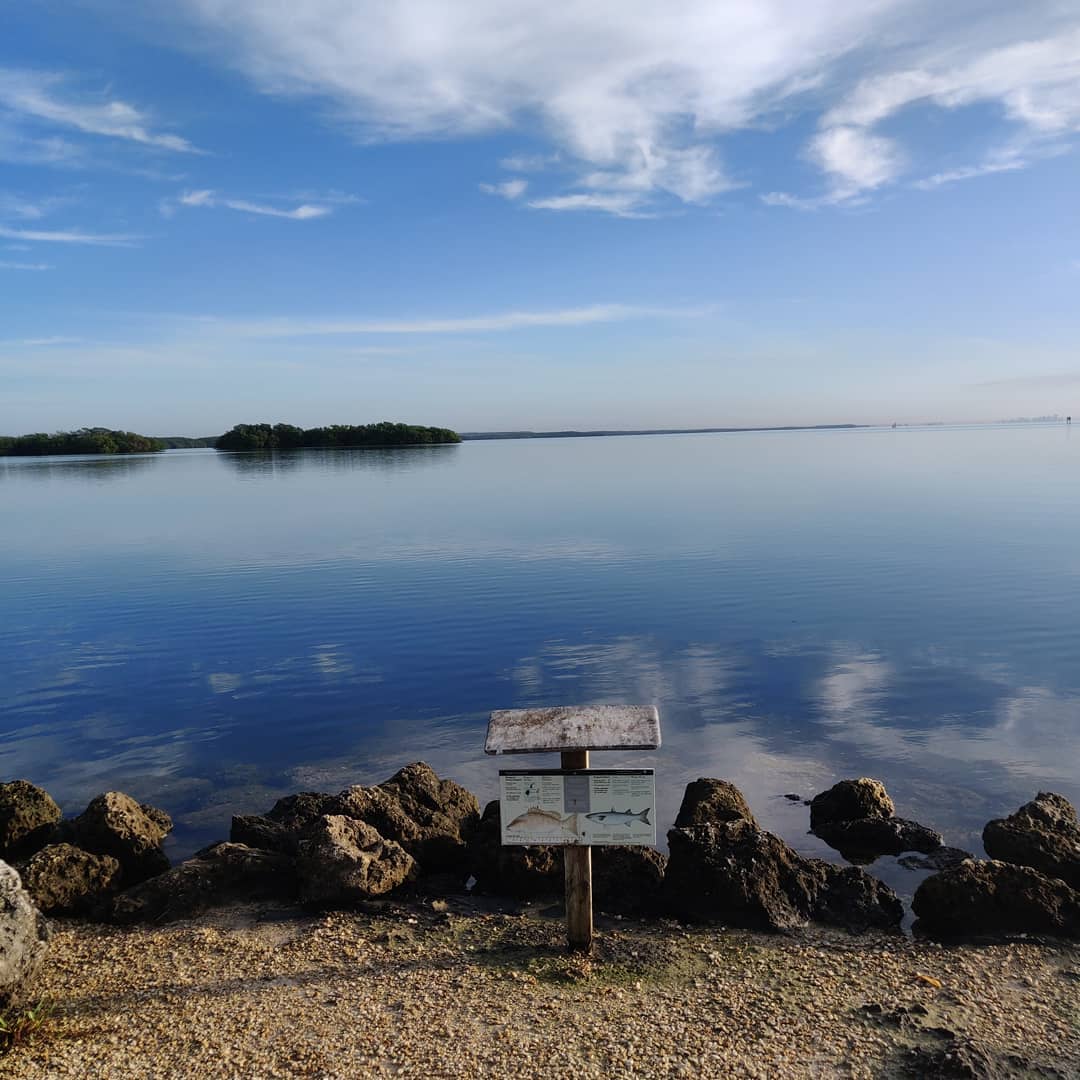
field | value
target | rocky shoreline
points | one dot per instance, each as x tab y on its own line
420	836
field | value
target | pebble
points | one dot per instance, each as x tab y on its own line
261	993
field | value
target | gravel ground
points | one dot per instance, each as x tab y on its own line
439	990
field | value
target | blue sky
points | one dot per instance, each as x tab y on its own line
518	214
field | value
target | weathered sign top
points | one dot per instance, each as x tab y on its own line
573	727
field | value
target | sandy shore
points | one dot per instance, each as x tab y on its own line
453	991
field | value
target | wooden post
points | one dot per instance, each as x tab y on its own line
577	862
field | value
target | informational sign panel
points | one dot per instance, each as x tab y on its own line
600	806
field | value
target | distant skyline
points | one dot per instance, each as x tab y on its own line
516	215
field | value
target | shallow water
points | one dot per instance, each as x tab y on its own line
209	631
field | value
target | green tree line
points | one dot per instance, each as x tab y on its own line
290	437
96	440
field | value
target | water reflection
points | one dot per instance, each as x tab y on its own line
801	608
266	464
78	469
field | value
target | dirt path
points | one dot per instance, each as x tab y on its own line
264	992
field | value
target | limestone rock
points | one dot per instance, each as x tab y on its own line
978	898
627	880
28	817
735	873
295	813
115	824
24	937
1043	834
254	830
219	874
850	800
521	872
343	860
65	880
707	801
862	841
445	814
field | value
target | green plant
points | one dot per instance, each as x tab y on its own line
20	1025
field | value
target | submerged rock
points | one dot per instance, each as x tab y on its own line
65	880
736	873
851	800
864	840
219	874
941	858
343	860
1043	834
115	824
24	937
28	819
707	801
978	898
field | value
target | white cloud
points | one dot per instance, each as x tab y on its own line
507	189
510	320
207	198
856	159
24	266
39	96
620	204
631	97
70	236
43	342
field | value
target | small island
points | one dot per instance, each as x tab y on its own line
96	440
290	437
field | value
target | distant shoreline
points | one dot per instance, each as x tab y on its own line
479	436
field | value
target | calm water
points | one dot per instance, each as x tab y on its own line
209	631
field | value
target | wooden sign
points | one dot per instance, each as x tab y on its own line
578	807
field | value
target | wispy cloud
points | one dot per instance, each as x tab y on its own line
39	343
208	198
46	97
70	236
507	189
621	204
24	266
511	320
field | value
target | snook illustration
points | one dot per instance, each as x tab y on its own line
620	817
536	820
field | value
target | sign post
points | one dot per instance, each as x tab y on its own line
557	807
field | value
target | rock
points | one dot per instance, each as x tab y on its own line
851	800
430	818
968	1059
444	812
219	874
706	801
940	859
627	880
862	841
256	831
65	880
24	937
115	824
979	898
343	860
521	872
294	813
28	818
1043	834
736	873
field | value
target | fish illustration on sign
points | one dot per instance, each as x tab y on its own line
536	820
620	817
